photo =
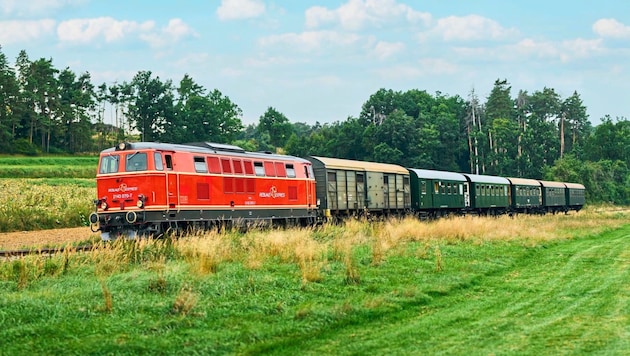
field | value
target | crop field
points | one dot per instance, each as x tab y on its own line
45	203
554	284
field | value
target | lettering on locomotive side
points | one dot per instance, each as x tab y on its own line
122	188
273	193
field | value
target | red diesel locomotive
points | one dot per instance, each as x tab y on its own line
151	188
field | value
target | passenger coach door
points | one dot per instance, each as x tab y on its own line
466	195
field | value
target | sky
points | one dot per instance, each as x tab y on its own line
319	61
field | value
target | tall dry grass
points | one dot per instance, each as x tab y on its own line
313	249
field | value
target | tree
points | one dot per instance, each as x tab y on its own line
276	125
574	127
9	94
152	105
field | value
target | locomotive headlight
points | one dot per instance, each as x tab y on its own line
103	203
141	199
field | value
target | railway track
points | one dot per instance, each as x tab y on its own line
46	251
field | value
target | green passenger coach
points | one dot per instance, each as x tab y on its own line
489	194
438	193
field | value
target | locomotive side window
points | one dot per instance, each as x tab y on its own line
280	171
136	162
109	164
290	170
169	162
306	171
269	169
249	169
159	165
226	165
200	165
213	165
260	170
238	166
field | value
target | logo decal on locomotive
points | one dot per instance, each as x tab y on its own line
273	193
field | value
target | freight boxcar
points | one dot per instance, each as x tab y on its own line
438	193
489	194
525	195
348	187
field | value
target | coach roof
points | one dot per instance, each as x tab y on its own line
477	178
431	174
346	164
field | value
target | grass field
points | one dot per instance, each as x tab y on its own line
48	167
528	285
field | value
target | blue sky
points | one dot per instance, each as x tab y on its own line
321	60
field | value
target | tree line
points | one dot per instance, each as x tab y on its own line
534	135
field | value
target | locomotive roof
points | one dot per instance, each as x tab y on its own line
431	174
548	184
478	178
347	164
574	185
524	181
206	148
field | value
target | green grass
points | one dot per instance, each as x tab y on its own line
48	167
468	296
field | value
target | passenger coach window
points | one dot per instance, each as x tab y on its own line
157	157
136	162
200	165
109	164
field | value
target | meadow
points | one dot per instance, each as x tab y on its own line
50	192
526	285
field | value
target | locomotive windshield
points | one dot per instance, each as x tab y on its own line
109	164
136	161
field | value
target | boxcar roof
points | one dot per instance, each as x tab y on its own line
210	148
574	185
431	174
477	178
338	163
548	184
524	181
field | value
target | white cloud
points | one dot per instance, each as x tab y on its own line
469	28
310	40
84	31
173	32
240	9
384	50
89	30
423	67
358	14
24	31
611	28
